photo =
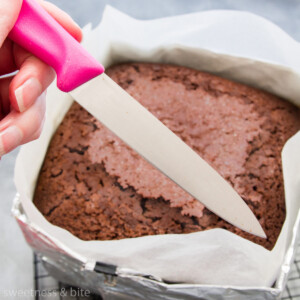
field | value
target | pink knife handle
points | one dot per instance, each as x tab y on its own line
37	32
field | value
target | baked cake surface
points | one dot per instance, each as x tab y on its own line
96	187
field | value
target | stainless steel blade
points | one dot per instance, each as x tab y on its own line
143	132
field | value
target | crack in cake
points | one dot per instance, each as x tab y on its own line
98	188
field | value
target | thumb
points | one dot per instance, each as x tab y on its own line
9	12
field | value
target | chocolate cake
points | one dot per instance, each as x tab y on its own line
96	187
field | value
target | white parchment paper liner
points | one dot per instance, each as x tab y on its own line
235	45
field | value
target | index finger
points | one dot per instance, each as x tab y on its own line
63	19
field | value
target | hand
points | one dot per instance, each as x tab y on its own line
22	97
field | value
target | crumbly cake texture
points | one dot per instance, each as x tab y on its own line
96	187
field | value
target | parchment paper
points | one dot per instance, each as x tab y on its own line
235	45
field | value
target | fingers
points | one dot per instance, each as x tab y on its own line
34	75
9	11
26	90
64	19
33	79
20	128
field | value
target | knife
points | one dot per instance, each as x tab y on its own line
83	77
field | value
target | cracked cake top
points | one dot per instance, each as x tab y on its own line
97	187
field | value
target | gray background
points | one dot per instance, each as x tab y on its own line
284	13
15	256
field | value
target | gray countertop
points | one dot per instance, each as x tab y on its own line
16	257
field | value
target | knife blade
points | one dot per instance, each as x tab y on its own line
83	76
